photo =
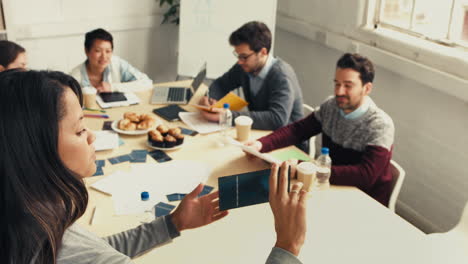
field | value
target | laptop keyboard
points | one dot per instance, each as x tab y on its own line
176	94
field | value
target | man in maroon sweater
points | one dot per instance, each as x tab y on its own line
358	133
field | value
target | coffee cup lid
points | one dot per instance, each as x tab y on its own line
89	90
243	121
307	167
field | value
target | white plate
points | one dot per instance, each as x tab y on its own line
129	132
173	148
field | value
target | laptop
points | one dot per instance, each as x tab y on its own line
178	95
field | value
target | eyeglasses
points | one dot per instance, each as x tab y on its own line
242	57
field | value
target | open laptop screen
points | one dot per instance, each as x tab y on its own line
199	78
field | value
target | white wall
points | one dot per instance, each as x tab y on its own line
431	141
54	36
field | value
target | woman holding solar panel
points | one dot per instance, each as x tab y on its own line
46	151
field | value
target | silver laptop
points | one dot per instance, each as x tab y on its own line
178	95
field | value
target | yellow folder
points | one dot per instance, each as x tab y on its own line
235	102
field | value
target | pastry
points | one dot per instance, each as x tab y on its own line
162	129
126	124
179	138
170	141
156	139
145	124
132	117
144	117
174	131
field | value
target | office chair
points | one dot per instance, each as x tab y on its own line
307	111
398	174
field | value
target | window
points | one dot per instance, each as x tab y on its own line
3	35
442	21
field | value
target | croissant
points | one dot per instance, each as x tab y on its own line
144	117
132	116
126	124
145	124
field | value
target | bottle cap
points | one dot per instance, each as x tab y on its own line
226	106
144	196
325	151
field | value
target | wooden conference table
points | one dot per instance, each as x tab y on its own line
344	224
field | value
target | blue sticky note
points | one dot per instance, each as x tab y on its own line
100	163
98	172
175	197
138	155
119	159
206	190
162	209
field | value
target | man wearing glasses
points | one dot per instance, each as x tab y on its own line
269	84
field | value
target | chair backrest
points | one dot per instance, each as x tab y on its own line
398	174
307	111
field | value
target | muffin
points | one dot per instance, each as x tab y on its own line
156	139
179	138
163	129
153	133
170	141
158	142
174	131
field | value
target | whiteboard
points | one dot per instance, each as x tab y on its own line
205	27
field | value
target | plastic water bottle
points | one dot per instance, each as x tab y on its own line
225	120
324	163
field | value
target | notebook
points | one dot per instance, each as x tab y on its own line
127	99
170	112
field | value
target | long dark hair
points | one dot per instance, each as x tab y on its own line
40	196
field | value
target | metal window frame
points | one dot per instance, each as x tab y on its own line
460	42
447	41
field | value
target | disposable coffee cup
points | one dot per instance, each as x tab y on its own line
89	97
306	172
243	127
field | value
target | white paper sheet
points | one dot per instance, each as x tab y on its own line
264	156
113	183
159	180
106	140
197	122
